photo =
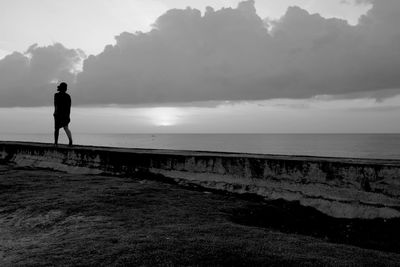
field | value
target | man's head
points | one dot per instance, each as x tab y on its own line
62	87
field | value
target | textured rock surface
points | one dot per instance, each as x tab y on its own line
346	188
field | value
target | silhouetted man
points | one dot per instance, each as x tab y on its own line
62	110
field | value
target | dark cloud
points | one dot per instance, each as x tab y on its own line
28	79
229	54
187	57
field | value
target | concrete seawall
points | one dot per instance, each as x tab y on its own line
339	187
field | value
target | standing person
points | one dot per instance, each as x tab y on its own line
62	110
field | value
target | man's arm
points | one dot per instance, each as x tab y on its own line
55	104
69	105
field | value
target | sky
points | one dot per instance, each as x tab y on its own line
266	66
25	22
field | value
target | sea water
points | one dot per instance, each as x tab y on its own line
383	146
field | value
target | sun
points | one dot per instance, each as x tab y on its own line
164	116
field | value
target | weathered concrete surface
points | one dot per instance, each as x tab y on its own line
347	188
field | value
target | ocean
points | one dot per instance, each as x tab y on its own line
379	146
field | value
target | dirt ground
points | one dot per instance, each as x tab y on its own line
51	218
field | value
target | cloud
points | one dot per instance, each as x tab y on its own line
27	79
228	54
3	53
327	56
187	57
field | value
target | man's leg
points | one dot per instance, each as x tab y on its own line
56	133
68	132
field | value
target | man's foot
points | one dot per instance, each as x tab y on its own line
70	144
55	145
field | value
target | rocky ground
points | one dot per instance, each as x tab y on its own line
51	218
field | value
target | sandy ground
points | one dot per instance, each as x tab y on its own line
52	218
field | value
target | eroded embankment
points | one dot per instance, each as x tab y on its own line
51	218
344	188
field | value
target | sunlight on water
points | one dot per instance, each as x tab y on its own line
164	116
